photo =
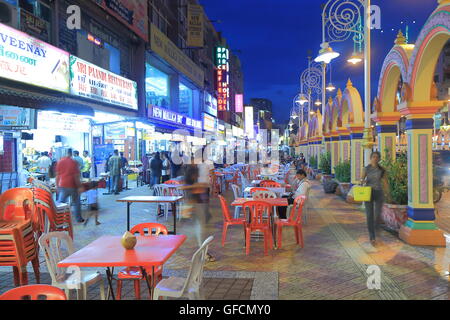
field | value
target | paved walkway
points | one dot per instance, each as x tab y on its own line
333	264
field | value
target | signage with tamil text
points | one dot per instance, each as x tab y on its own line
29	60
89	81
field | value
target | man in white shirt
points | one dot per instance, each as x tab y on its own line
43	163
303	190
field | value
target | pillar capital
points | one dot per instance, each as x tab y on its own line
420	110
386	118
343	131
356	128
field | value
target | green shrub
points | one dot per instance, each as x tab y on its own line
325	163
313	162
397	178
343	172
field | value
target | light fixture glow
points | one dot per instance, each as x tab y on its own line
326	54
302	100
318	102
355	59
330	87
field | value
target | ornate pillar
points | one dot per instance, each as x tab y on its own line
387	132
357	152
420	229
334	150
327	139
344	144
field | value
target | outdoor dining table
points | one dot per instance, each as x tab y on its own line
153	199
277	191
108	252
274	202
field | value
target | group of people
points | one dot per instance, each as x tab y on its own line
116	165
161	168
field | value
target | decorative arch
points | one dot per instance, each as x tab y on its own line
395	65
335	121
351	107
429	44
327	116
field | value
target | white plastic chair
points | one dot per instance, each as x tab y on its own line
162	190
53	245
237	209
191	286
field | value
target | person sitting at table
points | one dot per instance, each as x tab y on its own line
303	188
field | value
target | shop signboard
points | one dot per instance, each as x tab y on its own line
132	13
249	122
195	26
239	102
102	152
210	104
172	117
15	118
62	122
222	56
31	61
34	26
115	131
209	122
166	49
90	81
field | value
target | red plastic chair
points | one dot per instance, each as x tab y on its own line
135	273
294	220
34	292
227	220
253	190
270	184
258	222
172	182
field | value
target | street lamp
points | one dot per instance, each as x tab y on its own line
340	20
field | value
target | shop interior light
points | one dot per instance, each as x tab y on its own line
326	54
355	59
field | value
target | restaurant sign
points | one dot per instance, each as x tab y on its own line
90	81
29	60
172	117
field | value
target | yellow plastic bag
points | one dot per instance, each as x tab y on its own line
362	194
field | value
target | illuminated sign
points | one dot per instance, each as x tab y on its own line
95	40
89	81
209	122
210	104
28	60
249	130
173	117
239	103
222	78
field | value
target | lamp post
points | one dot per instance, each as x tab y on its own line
341	19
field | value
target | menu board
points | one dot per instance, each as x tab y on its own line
29	60
90	81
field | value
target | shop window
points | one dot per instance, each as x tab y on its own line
186	99
157	87
114	58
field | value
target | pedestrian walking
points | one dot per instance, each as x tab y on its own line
374	176
145	167
69	184
165	167
115	170
156	166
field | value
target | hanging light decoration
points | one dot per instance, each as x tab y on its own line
326	54
302	99
355	58
318	103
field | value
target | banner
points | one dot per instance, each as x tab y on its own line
195	26
132	13
29	60
15	118
90	81
167	50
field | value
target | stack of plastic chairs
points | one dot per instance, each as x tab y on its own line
53	217
18	244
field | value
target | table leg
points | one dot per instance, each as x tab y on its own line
150	286
109	276
174	211
272	218
128	215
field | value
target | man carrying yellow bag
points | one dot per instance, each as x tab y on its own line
374	177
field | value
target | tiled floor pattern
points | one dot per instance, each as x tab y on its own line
333	264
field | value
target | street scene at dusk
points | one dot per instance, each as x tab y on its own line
221	156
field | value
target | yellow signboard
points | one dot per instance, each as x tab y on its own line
195	26
167	50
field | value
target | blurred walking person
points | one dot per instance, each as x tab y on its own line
115	171
156	166
69	184
165	167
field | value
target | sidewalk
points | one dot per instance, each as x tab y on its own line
333	264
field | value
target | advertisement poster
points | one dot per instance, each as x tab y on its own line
90	81
195	26
29	60
131	12
115	132
15	118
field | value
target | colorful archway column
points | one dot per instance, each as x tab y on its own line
344	144
420	229
387	132
327	140
334	150
357	152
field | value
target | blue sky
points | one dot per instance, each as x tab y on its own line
274	37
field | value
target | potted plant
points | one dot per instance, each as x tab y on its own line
343	176
325	166
312	167
394	213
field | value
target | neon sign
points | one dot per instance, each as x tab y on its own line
222	78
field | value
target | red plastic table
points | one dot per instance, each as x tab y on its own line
153	199
274	202
107	252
